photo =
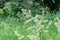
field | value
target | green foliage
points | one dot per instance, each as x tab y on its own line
1	11
23	20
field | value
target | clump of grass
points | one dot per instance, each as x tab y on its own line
29	27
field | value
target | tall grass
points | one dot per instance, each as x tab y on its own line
28	27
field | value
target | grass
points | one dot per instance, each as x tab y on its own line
40	27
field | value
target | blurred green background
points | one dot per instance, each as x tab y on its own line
27	20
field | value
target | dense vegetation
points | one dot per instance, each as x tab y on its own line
28	20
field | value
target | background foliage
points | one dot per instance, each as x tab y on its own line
27	20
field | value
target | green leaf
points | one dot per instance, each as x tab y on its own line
1	11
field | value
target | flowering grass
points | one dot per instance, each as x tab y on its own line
39	27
